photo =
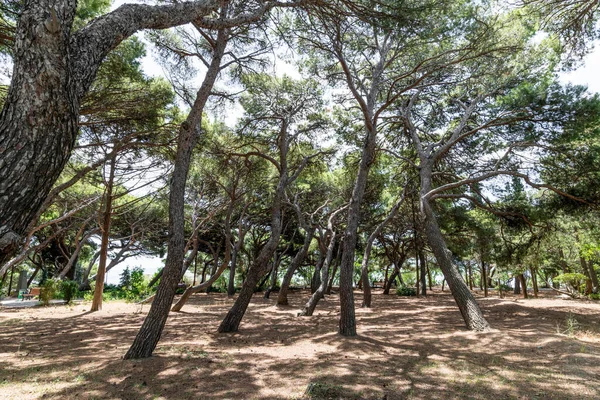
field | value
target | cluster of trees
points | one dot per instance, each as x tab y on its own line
427	142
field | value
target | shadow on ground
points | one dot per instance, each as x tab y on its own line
407	348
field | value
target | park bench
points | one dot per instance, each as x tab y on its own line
33	292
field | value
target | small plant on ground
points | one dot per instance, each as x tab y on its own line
406	291
571	326
322	391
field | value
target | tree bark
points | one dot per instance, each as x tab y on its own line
365	262
53	69
524	285
259	266
517	289
106	219
467	304
282	298
151	330
338	260
423	273
484	278
347	323
396	273
310	306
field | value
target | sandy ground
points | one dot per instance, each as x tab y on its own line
407	348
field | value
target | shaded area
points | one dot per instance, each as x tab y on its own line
407	348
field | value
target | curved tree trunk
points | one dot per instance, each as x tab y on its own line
467	304
338	259
151	330
395	274
274	271
365	262
260	265
282	297
198	288
310	306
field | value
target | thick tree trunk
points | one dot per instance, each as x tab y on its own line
108	199
151	330
517	288
467	304
297	261
38	124
53	69
524	285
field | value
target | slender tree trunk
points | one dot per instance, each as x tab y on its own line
31	278
534	282
429	277
484	278
470	275
365	262
274	271
338	260
282	298
236	250
467	304
106	219
315	281
310	306
423	273
396	273
198	288
259	267
151	330
12	272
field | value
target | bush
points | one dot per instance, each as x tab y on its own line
49	290
406	291
69	290
594	296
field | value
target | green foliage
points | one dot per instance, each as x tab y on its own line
406	291
69	289
49	290
574	279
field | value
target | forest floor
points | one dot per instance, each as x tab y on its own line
407	348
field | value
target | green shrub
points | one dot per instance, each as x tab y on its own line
69	289
49	290
594	296
406	291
